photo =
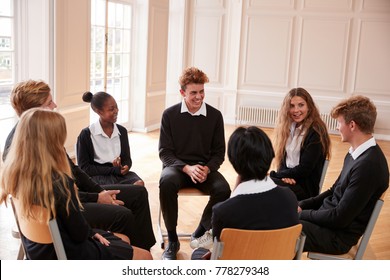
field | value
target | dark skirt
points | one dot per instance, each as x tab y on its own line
130	178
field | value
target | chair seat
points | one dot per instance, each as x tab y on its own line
357	251
182	192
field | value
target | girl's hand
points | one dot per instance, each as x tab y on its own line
125	169
101	239
116	162
289	181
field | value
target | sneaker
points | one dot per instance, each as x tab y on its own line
205	241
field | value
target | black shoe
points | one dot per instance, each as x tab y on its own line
171	251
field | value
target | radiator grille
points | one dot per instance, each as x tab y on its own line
266	117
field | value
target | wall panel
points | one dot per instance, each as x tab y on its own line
266	55
323	47
333	48
72	56
373	58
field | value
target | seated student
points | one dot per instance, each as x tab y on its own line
256	203
301	145
192	149
103	150
102	207
335	220
40	138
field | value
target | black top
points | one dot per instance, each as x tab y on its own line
347	206
75	233
273	209
187	139
86	152
308	172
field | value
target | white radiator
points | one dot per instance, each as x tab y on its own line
266	117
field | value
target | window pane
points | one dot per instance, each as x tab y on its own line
98	14
99	43
117	52
126	16
117	71
7	79
5	8
111	14
99	65
119	16
5	68
126	41
126	65
110	62
5	27
110	40
118	40
93	66
125	88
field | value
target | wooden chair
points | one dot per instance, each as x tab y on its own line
277	244
182	192
357	251
38	232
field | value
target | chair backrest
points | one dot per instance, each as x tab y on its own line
324	169
278	244
362	245
370	227
37	231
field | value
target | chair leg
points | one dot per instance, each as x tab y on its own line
159	230
20	253
162	235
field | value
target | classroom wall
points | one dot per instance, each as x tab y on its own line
254	51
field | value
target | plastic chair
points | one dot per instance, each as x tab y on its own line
182	192
37	231
277	244
362	244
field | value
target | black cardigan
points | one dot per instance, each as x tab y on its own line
85	154
308	172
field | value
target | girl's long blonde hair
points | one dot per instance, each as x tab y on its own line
313	119
37	163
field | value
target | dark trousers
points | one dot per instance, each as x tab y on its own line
172	180
133	219
324	240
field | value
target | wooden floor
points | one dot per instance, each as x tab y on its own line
147	164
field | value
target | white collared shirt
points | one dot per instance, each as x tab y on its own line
201	111
254	186
293	145
362	148
106	149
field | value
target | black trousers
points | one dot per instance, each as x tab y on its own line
133	219
325	240
172	180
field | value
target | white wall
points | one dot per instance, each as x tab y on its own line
72	60
254	51
150	73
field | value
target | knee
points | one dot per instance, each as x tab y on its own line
124	216
168	185
139	183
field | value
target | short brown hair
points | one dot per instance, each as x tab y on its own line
192	75
359	109
29	94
